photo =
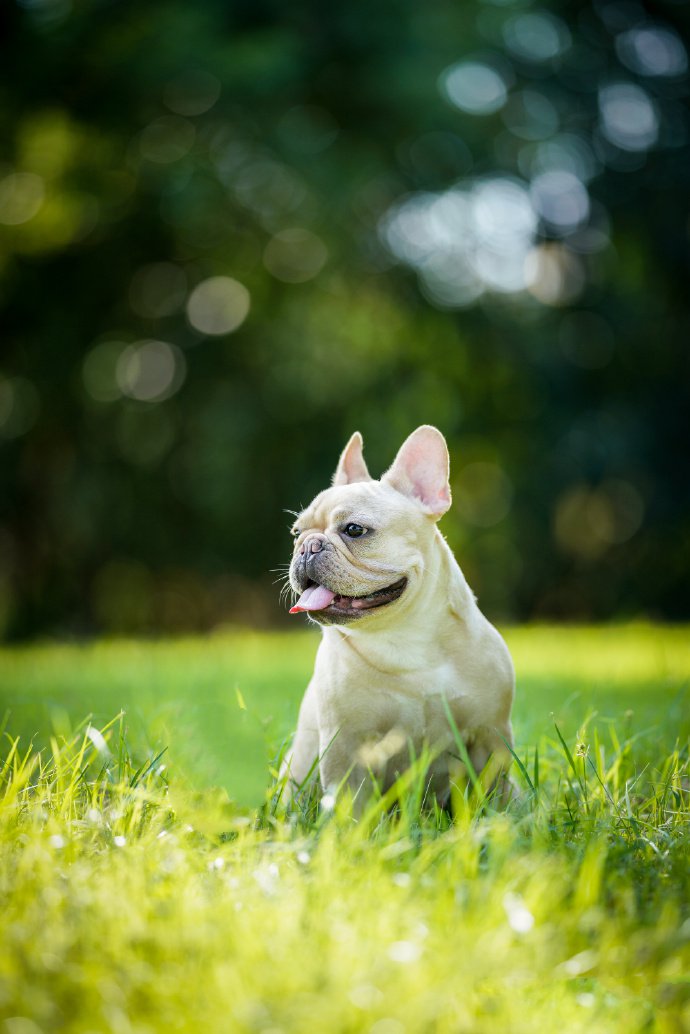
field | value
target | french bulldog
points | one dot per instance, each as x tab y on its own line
403	640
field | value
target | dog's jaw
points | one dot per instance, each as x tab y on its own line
342	609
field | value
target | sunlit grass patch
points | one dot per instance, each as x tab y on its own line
182	694
129	902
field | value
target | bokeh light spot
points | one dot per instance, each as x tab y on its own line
463	242
389	1024
267	187
218	305
21	197
588	521
295	255
150	371
19	406
502	213
99	371
6	400
565	152
166	139
47	13
451	284
412	230
560	199
653	50
536	36
628	116
474	87
553	274
192	92
482	494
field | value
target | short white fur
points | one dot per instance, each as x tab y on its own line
380	681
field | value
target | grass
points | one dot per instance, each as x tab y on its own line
183	694
142	892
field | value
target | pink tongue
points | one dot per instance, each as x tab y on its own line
316	597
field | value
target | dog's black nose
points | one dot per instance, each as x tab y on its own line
313	544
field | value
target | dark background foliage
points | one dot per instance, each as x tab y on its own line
232	233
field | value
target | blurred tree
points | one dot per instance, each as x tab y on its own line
232	233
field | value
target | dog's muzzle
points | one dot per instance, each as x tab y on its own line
308	560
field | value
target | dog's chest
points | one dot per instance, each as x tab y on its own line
411	702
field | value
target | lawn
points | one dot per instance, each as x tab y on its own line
144	893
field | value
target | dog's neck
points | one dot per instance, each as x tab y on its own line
413	638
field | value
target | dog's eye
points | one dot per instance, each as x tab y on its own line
354	531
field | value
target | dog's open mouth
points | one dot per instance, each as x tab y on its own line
318	598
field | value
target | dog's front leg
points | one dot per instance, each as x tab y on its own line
302	757
340	768
491	760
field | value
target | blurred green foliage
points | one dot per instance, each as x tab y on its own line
232	233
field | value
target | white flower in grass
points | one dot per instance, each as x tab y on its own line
98	740
404	952
267	879
520	919
580	963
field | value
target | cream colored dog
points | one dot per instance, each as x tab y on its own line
401	630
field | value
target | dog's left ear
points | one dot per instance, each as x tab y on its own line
421	470
351	466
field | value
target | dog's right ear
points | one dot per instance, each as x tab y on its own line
351	466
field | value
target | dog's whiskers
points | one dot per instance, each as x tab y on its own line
285	588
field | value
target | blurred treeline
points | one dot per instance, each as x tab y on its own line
231	233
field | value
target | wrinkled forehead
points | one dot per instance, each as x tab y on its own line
361	502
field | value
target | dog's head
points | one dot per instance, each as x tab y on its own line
361	545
